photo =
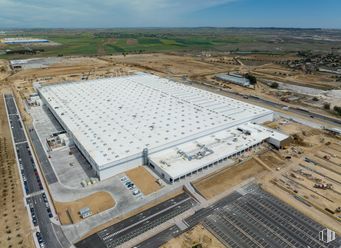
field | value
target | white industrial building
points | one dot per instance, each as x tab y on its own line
117	123
22	40
187	159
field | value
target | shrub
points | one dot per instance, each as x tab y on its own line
326	105
337	109
251	78
274	85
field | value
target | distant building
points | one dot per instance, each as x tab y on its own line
234	78
20	40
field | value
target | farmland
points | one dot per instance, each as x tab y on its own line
189	40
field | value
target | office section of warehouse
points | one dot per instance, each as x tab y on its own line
120	123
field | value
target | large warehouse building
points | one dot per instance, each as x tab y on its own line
120	123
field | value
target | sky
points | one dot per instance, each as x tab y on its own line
169	13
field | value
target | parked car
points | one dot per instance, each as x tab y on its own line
39	237
136	192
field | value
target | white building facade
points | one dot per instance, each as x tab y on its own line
113	120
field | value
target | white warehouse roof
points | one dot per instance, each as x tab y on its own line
191	156
116	118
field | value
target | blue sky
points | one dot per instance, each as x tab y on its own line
169	13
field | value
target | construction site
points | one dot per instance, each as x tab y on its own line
303	172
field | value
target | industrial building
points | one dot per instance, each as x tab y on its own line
22	40
123	122
193	157
234	78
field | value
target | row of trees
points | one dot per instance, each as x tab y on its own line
336	109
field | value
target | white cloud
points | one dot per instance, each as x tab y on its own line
107	13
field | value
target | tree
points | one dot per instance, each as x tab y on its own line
274	85
326	105
337	109
251	78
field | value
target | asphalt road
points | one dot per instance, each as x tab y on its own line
17	129
326	119
131	227
11	108
45	225
27	163
306	113
46	166
33	196
191	221
160	238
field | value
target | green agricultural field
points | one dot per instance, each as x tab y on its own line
193	40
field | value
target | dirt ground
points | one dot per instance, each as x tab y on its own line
15	229
227	178
144	181
68	212
297	182
173	65
199	235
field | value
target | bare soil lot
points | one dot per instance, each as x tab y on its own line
219	182
143	180
199	236
68	212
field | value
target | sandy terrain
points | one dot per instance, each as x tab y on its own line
295	183
144	181
169	64
219	182
15	229
194	238
68	212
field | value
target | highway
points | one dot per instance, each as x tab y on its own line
38	206
306	113
255	99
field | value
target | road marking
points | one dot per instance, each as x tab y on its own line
35	193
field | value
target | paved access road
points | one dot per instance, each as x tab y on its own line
44	161
28	168
125	230
17	128
160	238
51	233
11	108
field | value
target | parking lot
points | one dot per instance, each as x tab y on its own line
257	219
36	199
129	228
131	187
31	178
